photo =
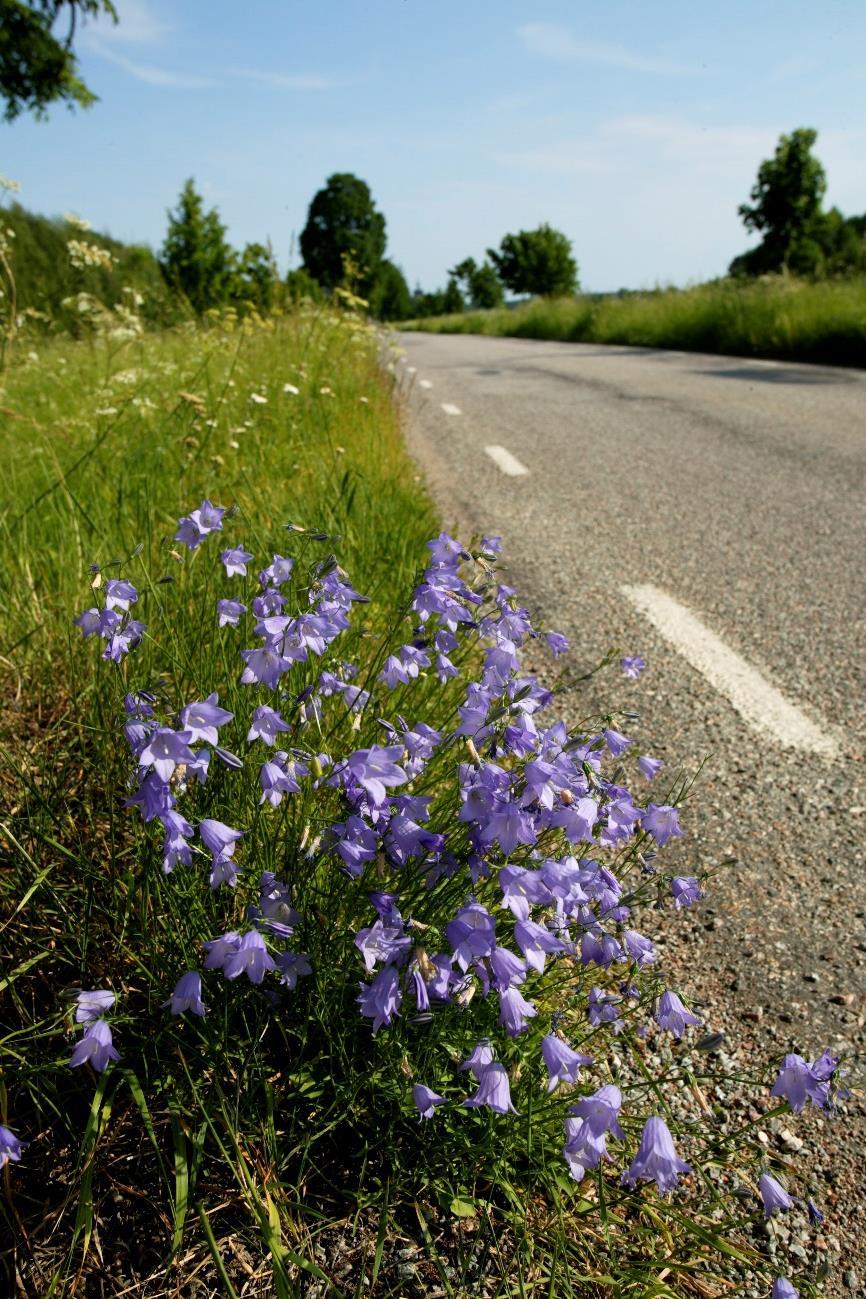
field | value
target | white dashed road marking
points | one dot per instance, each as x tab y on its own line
508	463
449	409
424	383
757	701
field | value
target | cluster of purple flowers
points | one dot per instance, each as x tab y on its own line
114	623
534	814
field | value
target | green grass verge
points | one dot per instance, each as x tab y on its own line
778	318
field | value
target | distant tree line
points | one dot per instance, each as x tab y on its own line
344	242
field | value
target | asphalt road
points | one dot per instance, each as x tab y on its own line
737	489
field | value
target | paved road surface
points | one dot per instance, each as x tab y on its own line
708	513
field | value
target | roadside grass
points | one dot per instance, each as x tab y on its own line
260	1150
777	317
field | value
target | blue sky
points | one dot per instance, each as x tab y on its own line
636	126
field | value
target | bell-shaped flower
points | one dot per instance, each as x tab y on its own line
166	750
251	958
563	1064
201	719
90	1006
774	1195
601	1111
673	1015
656	1160
187	995
479	1058
515	1011
425	1100
493	1091
94	1048
662	822
536	942
380	1000
266	725
10	1146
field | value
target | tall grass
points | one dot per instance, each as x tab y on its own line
779	317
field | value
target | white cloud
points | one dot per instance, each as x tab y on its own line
284	81
553	41
137	25
152	75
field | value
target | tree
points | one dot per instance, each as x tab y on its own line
483	285
452	298
256	278
196	258
390	298
38	67
537	262
343	221
785	209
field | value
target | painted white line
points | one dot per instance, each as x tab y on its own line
508	463
424	383
758	702
451	410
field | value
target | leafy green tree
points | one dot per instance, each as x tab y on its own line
37	65
536	262
483	285
390	298
300	284
257	279
196	257
452	298
343	221
786	209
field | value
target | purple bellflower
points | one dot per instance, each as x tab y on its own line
479	1058
236	561
10	1146
632	666
90	1006
95	1047
685	890
656	1160
229	612
562	1063
187	995
201	719
380	1000
220	949
266	725
493	1091
673	1015
799	1081
166	750
649	767
515	1011
251	958
782	1289
425	1100
662	822
773	1195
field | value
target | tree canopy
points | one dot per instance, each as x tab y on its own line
37	66
343	222
785	208
536	262
483	285
196	256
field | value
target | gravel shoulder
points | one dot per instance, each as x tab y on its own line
744	495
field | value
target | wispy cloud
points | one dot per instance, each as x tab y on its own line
137	25
153	75
622	144
554	41
283	81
